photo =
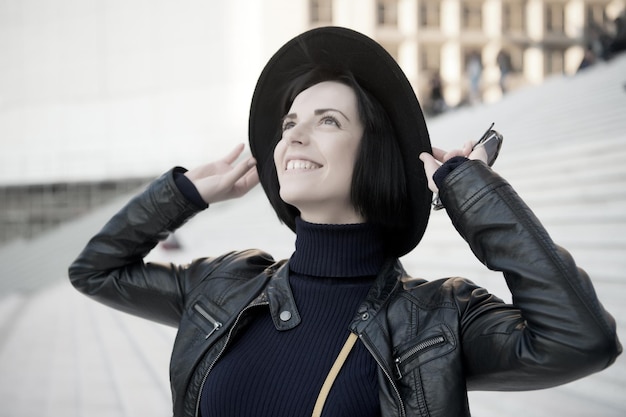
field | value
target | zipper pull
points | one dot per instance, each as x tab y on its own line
216	324
216	327
398	371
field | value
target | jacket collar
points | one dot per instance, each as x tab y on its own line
284	310
387	283
281	301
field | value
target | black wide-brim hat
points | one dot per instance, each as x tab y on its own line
377	72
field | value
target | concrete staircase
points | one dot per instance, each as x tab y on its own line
565	153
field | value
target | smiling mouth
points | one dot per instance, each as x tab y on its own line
299	164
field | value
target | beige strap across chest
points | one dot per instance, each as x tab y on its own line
332	375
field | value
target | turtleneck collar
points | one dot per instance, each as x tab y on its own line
336	250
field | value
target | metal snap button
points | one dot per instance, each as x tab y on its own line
285	315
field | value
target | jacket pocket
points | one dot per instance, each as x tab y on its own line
206	316
430	344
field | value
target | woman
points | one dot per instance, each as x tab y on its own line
342	151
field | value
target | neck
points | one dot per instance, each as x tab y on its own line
331	217
336	250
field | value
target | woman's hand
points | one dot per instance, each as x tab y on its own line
221	180
439	156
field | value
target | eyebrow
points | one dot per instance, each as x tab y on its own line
316	112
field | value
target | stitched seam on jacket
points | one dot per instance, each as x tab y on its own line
421	400
477	196
546	243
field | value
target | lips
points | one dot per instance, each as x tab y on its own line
301	164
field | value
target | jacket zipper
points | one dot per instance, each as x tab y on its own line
216	324
221	352
388	375
426	344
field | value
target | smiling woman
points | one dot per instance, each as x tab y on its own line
341	149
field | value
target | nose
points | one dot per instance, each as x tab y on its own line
297	135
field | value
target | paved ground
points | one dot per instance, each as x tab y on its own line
565	153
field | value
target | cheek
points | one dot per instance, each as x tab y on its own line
347	154
279	156
279	150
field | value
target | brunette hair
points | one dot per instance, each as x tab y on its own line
379	189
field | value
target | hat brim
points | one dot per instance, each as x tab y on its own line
378	73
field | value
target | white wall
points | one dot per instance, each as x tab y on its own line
93	89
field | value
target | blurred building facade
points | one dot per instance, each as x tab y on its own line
540	38
26	211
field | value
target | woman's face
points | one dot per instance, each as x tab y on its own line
315	157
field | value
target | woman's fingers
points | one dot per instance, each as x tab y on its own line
248	181
479	153
239	171
225	179
454	152
439	154
467	147
216	167
430	166
233	154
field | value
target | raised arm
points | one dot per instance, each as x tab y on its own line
556	330
111	269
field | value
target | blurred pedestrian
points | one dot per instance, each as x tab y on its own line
505	66
618	43
437	101
598	42
171	243
589	59
474	73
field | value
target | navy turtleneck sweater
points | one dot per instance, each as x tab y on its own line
266	372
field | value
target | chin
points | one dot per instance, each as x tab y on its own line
294	199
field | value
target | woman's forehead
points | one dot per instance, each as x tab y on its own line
327	94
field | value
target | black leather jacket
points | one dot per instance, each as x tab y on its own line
432	340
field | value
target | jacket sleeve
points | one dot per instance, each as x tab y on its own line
110	269
556	330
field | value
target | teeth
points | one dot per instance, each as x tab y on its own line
301	164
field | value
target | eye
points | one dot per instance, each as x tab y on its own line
288	124
330	120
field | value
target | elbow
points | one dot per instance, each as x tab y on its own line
556	361
595	354
602	347
82	278
77	277
605	351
